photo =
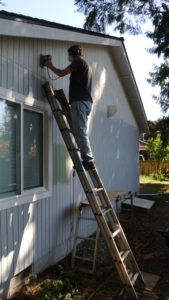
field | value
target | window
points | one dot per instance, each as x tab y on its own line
33	149
20	171
9	149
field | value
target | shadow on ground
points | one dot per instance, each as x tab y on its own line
154	188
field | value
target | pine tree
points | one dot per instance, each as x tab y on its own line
129	16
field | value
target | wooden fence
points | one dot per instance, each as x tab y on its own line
148	167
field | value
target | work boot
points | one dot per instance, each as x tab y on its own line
89	165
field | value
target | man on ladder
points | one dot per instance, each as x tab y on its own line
80	99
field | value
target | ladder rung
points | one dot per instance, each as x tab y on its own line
98	189
133	277
124	254
94	190
106	211
116	232
80	237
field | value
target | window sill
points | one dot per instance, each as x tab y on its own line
30	196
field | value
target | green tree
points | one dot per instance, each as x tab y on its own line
129	16
160	77
160	152
162	126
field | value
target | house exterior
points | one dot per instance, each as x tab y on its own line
39	192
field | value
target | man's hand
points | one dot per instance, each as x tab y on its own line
46	61
49	63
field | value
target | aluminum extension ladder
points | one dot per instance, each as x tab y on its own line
99	201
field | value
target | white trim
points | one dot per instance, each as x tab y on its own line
32	195
27	30
22	99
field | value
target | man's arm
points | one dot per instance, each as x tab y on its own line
58	72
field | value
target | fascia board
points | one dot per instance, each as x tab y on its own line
19	29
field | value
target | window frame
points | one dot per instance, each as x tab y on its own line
26	107
34	194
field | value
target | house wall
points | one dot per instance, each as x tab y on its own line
40	233
114	139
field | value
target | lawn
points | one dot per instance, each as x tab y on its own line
150	185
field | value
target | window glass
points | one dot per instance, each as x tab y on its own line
9	149
33	149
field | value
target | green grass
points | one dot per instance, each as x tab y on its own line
148	184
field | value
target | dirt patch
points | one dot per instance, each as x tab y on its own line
149	247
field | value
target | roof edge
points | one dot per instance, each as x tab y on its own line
146	128
36	21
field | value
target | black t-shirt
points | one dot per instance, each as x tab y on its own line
80	81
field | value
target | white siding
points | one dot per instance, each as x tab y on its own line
25	236
114	139
34	231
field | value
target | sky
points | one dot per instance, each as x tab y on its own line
64	12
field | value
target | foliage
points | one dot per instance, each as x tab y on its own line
128	16
162	126
156	149
160	77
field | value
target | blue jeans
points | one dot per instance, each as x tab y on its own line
80	111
